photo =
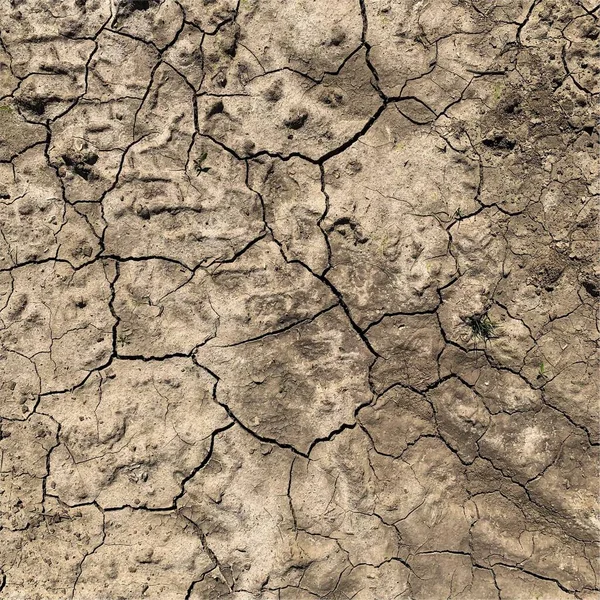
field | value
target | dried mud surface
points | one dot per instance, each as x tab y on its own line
298	299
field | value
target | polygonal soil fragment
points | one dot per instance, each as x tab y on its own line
163	309
51	56
568	487
470	322
19	385
42	98
382	263
347	487
398	52
500	533
70	534
460	59
209	16
8	81
157	298
440	522
580	57
243	481
518	191
406	168
461	417
514	583
572	234
21	501
284	112
363	582
229	66
397	420
504	391
54	74
187	56
60	319
294	208
24	21
574	391
260	293
36	223
448	575
553	289
388	251
200	213
152	554
17	133
120	68
88	144
298	385
480	247
164	127
504	533
333	495
154	21
322	561
438	45
304	36
24	445
132	433
469	365
567	350
524	444
24	450
408	349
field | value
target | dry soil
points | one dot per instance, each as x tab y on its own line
297	299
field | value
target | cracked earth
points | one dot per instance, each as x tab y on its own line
297	300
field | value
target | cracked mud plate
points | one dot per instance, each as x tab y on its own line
298	300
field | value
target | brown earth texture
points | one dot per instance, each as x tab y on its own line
298	300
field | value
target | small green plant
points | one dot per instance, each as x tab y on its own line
497	92
199	162
542	370
458	214
482	327
122	338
